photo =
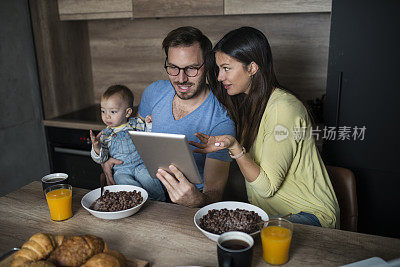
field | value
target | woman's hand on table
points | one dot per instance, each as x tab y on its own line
212	143
107	169
180	190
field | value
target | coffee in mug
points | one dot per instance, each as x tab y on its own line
235	249
235	244
53	179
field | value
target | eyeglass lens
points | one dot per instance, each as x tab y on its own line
189	71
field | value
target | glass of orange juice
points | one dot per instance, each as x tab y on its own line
59	199
276	236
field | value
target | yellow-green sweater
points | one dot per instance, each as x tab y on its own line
292	175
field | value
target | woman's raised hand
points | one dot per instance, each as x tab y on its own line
212	143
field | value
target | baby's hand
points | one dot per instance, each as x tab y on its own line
95	142
149	123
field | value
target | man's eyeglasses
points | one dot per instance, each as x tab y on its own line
190	71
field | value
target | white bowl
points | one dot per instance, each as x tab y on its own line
90	197
230	205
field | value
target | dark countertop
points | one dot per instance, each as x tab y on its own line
89	115
84	119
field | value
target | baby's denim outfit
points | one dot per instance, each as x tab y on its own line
116	143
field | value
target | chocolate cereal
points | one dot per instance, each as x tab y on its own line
116	201
224	220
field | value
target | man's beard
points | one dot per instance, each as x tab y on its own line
188	95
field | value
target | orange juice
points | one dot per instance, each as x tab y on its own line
276	242
59	202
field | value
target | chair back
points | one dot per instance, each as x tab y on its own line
235	189
344	184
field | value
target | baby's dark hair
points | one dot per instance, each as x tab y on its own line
123	91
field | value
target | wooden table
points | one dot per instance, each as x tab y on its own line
165	235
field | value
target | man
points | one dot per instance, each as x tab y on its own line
185	105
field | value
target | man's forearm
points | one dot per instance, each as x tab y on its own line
211	197
200	200
215	178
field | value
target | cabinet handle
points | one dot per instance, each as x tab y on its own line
339	93
72	151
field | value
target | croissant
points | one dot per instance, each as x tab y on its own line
40	263
105	259
45	250
76	250
38	247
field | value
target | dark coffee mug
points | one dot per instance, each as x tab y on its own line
235	249
53	179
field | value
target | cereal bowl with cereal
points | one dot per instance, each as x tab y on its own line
117	202
218	218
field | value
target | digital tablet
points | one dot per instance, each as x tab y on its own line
159	150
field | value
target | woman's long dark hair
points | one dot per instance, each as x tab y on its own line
246	44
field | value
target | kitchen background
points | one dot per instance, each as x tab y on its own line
57	57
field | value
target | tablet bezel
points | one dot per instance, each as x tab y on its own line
159	150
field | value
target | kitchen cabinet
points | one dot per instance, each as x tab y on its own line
94	9
168	8
240	7
116	9
63	59
363	90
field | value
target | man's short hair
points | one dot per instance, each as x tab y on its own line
125	93
187	36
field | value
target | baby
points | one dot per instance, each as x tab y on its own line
115	142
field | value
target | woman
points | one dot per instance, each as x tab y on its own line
283	170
